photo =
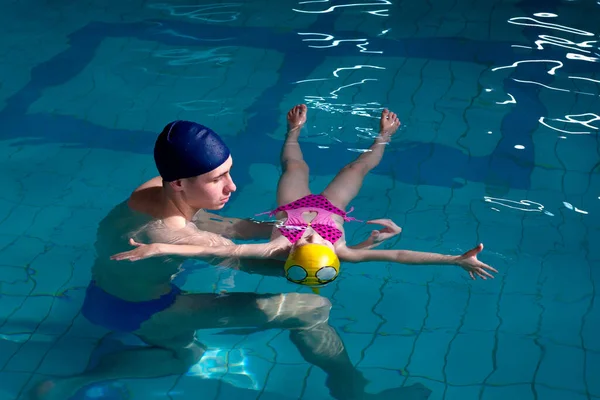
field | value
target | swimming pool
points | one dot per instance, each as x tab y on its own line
500	103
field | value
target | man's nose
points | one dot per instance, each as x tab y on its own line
230	187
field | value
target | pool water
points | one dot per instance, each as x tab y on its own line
500	104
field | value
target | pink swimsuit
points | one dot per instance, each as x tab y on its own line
293	228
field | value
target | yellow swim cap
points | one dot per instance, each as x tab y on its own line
312	265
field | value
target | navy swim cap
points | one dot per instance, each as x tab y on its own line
185	149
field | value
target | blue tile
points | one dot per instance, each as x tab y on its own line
12	193
537	240
6	209
8	349
10	275
470	360
48	219
83	328
68	356
462	392
355	343
12	384
405	307
446	307
143	388
10	304
391	352
552	371
501	236
231	280
428	225
94	195
22	251
315	386
286	380
523	274
253	379
240	339
422	388
380	379
572	234
30	354
521	392
517	358
32	312
193	384
44	187
198	277
81	273
80	229
592	371
358	317
547	393
19	220
52	270
593	236
520	314
283	349
566	278
481	314
6	240
562	321
429	356
271	284
18	288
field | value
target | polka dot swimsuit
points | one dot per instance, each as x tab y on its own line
295	226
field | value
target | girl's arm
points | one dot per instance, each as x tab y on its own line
142	251
468	261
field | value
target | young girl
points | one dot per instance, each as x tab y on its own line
310	233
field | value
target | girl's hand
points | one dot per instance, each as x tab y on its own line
469	262
140	252
389	230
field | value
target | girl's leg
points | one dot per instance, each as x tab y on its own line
293	183
347	183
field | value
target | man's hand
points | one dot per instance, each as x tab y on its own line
140	252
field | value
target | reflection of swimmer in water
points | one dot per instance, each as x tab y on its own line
141	298
312	236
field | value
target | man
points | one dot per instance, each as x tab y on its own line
140	298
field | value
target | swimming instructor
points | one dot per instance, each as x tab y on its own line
140	298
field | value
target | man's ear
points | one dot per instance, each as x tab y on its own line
176	185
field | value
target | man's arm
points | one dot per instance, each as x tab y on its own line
143	251
234	228
271	266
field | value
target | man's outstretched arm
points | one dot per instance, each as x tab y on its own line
234	228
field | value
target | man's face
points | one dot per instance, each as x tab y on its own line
211	190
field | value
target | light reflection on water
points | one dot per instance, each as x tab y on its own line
551	36
575	51
558	50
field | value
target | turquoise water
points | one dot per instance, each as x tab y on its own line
500	103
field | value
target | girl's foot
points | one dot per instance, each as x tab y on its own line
389	123
296	117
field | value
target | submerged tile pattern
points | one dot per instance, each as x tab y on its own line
87	85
